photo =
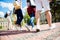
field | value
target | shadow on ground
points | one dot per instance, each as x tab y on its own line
8	32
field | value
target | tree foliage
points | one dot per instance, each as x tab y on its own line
55	9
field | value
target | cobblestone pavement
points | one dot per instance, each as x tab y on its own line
44	34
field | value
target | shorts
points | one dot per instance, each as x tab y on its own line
42	4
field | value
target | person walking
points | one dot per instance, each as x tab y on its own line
18	12
31	12
43	4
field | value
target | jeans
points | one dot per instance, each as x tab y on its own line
32	19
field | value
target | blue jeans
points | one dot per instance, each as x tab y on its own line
32	19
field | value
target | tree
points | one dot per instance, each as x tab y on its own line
55	10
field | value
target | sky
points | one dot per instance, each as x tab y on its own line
6	5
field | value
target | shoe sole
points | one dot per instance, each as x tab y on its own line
27	28
37	30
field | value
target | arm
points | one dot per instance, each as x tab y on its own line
50	0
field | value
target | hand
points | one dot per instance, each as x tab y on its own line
50	0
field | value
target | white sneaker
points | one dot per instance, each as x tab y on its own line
18	28
38	26
21	29
33	28
13	29
53	26
27	27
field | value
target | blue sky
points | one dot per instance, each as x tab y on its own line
4	5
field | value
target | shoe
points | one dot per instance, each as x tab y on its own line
52	27
33	29
18	28
38	26
21	29
37	30
27	27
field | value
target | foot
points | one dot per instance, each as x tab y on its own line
21	29
37	30
33	28
13	28
52	27
27	27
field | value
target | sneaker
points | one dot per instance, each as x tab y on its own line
33	28
53	27
27	27
18	28
21	29
13	29
38	28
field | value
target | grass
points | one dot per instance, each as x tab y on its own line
0	27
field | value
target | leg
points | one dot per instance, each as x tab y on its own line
20	20
37	15
32	21
49	17
18	23
46	6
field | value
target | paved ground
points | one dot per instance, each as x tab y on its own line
44	34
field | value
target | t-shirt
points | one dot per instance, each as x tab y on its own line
31	10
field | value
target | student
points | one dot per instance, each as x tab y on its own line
31	12
43	4
19	14
10	26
